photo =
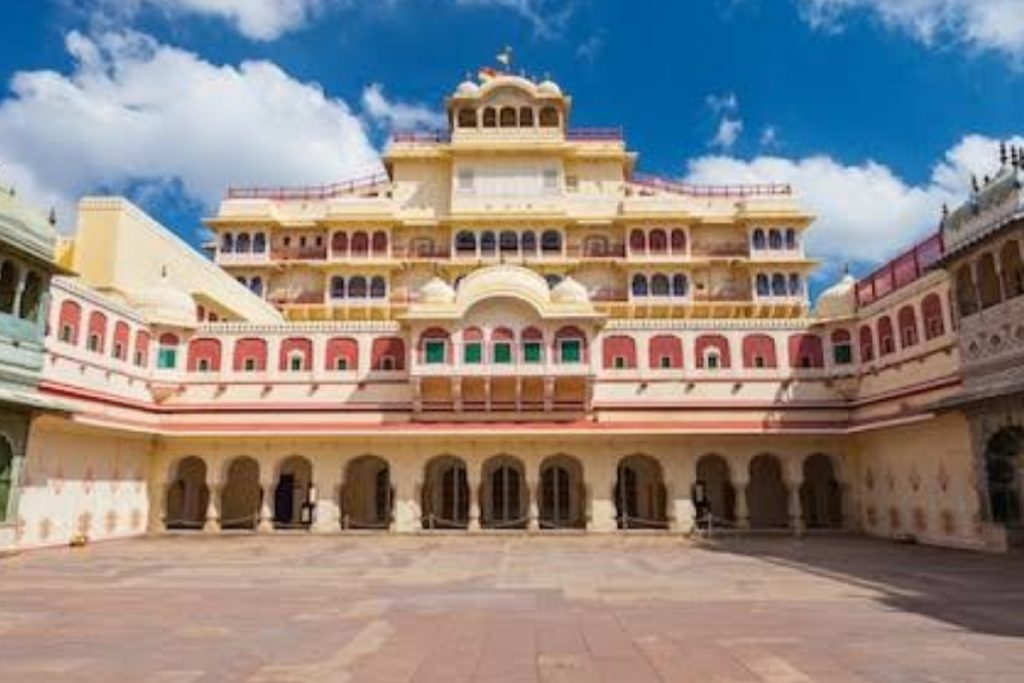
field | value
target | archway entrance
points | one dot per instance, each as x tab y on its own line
292	504
1002	462
562	494
242	496
188	496
366	496
505	498
820	494
713	490
640	494
445	494
766	494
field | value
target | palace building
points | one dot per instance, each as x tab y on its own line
510	328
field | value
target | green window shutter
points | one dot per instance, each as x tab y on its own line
570	351
503	353
843	354
435	352
472	353
167	359
531	352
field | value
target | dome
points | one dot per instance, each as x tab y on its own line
549	87
165	304
467	88
839	300
569	291
437	291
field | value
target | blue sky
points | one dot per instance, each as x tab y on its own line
877	110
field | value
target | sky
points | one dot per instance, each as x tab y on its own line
876	111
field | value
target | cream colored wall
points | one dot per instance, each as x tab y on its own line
82	481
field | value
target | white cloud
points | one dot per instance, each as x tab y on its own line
589	50
399	115
135	111
769	136
996	25
724	103
728	133
866	212
548	17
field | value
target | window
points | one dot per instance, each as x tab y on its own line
759	362
763	288
790	238
843	353
139	358
619	363
550	179
665	362
502	353
295	362
759	240
472	353
341	363
259	243
525	117
490	118
203	365
387	363
93	342
467	118
572	183
66	333
167	358
249	365
795	285
531	352
569	351
118	350
434	352
711	360
774	239
549	117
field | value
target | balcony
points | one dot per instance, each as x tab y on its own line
425	252
720	250
596	251
299	253
310	193
243	258
486	362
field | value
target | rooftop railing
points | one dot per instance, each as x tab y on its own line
691	190
312	192
900	271
594	135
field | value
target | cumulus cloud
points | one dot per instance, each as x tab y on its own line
133	111
730	126
996	25
728	133
866	212
399	115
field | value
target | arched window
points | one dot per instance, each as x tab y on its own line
259	243
467	118
548	117
69	320
121	340
763	288
380	242
529	242
357	287
465	242
867	344
227	243
339	242
551	241
553	280
8	286
490	118
678	241
434	347
665	351
778	284
526	117
966	294
488	243
931	312
842	347
712	352
806	351
31	296
639	285
637	241
387	354
360	245
342	354
908	327
142	341
660	285
337	287
759	240
1012	268
570	345
886	343
988	282
595	246
96	339
774	239
795	284
204	355
250	355
295	355
508	242
256	286
619	352
759	351
680	285
508	118
378	287
658	241
790	238
167	351
243	244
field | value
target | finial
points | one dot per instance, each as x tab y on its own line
53	217
846	268
945	211
1002	153
1014	159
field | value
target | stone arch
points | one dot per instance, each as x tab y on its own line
445	495
69	321
366	493
639	493
821	494
931	312
293	502
1002	470
759	351
505	496
467	117
1012	269
989	291
966	294
562	495
242	495
188	495
719	496
767	497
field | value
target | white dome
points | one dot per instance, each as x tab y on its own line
165	304
549	87
839	300
437	291
568	291
467	88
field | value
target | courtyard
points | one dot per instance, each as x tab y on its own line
365	608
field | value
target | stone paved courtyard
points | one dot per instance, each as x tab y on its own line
490	608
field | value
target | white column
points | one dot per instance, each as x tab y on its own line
682	514
266	523
600	479
473	474
213	507
406	513
326	511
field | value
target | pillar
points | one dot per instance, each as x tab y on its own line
682	515
601	476
533	503
405	510
266	523
473	481
212	524
794	478
740	480
158	507
326	510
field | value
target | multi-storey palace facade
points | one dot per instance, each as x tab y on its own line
511	328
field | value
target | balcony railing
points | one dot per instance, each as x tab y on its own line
721	249
730	191
594	135
422	251
313	192
901	271
299	253
594	251
422	137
